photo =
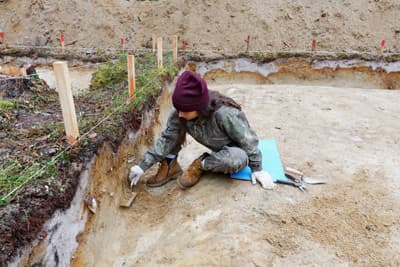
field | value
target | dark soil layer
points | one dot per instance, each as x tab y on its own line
32	132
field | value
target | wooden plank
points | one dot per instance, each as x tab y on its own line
131	77
63	86
159	53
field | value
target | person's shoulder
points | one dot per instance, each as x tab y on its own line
226	112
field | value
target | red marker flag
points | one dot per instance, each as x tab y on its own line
2	35
383	43
313	44
122	41
62	38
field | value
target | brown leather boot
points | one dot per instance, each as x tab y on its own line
192	175
165	173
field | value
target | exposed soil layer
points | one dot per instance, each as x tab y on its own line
31	135
339	73
28	137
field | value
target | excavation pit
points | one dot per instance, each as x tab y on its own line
335	120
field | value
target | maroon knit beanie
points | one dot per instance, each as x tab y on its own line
191	93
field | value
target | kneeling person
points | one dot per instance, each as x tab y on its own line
215	121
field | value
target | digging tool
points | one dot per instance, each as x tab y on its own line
293	181
128	195
298	185
127	200
294	171
307	180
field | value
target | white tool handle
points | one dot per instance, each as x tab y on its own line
294	171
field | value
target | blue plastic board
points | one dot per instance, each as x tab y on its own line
271	162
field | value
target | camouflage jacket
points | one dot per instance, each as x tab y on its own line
227	126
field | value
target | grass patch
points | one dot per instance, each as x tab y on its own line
106	97
110	74
6	105
16	174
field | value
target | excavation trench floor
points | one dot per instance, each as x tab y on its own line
347	136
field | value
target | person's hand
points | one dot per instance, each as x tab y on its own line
134	175
263	178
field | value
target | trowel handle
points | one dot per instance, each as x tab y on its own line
294	171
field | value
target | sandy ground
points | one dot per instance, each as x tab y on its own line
207	25
347	136
80	78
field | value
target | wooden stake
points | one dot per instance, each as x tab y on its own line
63	86
159	53
247	43
131	77
153	40
175	48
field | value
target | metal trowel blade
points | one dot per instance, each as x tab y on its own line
127	200
309	180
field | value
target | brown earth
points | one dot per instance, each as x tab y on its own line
346	135
208	25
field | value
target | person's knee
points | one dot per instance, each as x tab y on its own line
236	160
227	160
235	166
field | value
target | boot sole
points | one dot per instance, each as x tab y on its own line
173	177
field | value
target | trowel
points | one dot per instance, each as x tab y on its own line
310	180
127	199
128	196
307	180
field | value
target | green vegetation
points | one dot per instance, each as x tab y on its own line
16	174
113	75
106	98
110	82
6	105
109	74
342	55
